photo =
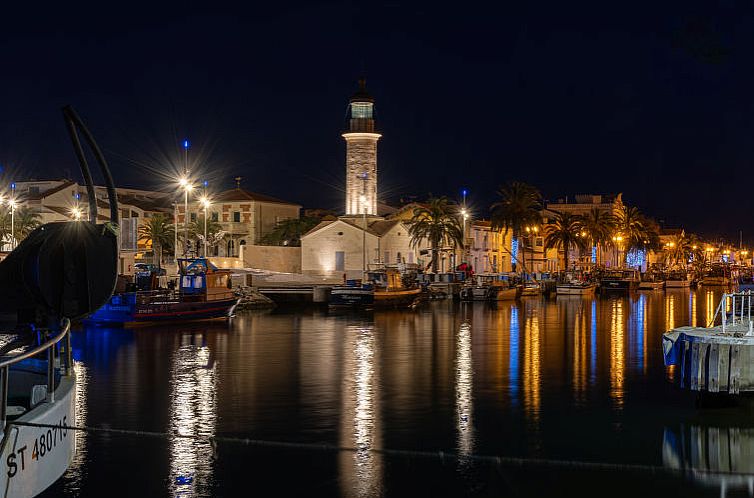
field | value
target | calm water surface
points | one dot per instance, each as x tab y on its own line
569	379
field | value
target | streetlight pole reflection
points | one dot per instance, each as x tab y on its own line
361	470
464	395
193	412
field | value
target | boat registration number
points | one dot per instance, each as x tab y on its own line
43	445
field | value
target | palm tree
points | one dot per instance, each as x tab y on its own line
637	231
518	207
599	226
25	221
158	231
438	222
289	232
563	232
196	229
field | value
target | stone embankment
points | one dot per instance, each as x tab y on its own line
252	300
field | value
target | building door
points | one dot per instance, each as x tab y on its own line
411	258
387	257
340	260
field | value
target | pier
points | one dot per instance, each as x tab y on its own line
716	359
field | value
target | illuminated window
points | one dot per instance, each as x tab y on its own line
361	110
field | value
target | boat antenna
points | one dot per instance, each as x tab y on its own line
75	125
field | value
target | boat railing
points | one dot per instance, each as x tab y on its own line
50	347
739	304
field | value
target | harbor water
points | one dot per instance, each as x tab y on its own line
570	393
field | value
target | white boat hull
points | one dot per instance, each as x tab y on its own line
35	457
575	290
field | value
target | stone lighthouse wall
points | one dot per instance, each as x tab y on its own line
361	157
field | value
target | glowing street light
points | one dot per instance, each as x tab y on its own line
76	213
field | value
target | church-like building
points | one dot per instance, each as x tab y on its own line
363	237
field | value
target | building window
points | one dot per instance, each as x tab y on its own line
193	217
33	190
538	241
387	257
231	248
215	216
411	258
236	216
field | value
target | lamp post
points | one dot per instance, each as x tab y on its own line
175	232
187	187
205	203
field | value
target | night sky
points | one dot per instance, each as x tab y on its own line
653	100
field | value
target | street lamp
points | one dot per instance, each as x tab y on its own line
187	187
12	204
205	203
76	213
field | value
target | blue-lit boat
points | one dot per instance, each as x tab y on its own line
352	295
203	292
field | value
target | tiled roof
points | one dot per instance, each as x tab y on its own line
239	194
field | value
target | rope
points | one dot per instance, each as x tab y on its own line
442	456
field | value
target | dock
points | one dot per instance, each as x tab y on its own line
717	358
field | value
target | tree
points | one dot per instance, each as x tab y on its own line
519	206
638	232
25	220
289	232
599	226
563	232
438	223
158	231
196	231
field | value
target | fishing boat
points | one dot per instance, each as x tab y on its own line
393	289
489	287
574	284
652	280
204	292
716	276
677	279
619	280
745	281
60	272
531	289
352	295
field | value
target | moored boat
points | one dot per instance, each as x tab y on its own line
204	292
531	289
619	280
652	280
575	284
677	279
717	275
352	295
489	287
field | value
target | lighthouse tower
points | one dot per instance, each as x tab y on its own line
361	155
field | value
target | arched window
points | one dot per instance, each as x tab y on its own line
231	248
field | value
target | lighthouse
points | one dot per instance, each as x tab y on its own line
361	154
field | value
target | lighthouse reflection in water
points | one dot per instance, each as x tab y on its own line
413	399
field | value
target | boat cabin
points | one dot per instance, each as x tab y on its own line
199	278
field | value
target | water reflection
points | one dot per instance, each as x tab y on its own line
640	342
531	373
617	351
670	311
579	345
192	413
513	366
464	397
709	298
77	469
361	471
713	456
692	309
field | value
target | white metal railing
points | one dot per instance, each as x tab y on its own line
740	314
49	345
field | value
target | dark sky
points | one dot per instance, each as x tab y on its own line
653	100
